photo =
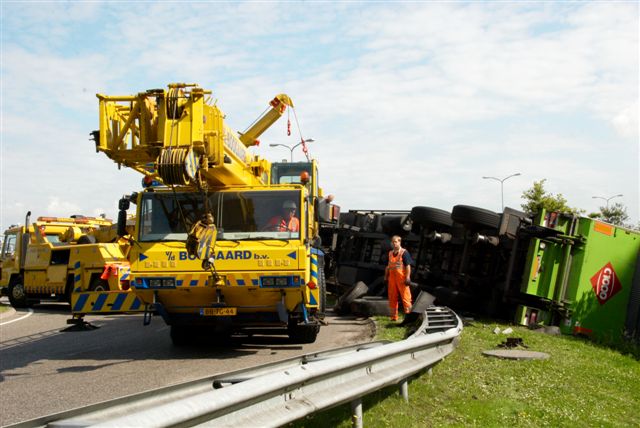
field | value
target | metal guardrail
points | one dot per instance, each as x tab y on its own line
277	393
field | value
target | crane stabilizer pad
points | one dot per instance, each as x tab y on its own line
516	354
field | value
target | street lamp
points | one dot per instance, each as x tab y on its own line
502	184
291	148
607	199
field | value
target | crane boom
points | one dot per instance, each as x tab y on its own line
179	137
278	106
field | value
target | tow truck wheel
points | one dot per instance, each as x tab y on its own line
303	333
17	294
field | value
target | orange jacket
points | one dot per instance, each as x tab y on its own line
292	226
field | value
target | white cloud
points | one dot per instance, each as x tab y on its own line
626	121
57	205
410	103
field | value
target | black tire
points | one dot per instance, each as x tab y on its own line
68	289
427	216
395	224
17	294
371	306
98	284
303	333
87	239
181	335
359	289
474	217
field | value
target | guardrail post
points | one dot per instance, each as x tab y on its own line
356	413
404	389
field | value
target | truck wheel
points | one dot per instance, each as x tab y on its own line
427	216
303	333
17	294
370	306
98	284
180	335
68	290
474	216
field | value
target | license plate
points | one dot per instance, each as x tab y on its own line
218	312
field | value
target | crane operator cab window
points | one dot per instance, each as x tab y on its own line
255	215
169	216
290	173
238	215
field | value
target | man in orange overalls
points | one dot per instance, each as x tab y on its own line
398	277
287	221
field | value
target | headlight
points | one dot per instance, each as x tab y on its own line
268	282
282	281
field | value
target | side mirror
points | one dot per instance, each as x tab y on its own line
123	206
122	223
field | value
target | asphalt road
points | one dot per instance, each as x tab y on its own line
44	370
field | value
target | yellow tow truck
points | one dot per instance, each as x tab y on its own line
218	244
67	258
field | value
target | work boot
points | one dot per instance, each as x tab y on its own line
409	318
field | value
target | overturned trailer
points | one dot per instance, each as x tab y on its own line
557	269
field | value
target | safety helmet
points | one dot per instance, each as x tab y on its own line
289	205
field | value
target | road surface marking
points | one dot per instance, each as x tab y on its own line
18	319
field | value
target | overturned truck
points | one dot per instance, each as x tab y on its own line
555	269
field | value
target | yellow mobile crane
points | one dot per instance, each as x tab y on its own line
207	252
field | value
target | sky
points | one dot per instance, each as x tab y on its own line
409	103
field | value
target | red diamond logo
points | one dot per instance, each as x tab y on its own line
605	283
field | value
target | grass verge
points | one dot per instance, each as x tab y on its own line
581	384
4	308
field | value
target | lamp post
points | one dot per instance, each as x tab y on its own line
291	148
502	185
607	199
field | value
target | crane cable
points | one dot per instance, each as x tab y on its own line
174	106
304	146
257	119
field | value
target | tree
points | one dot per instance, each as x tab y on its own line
614	214
537	198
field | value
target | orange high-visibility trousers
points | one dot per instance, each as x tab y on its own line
397	274
398	287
